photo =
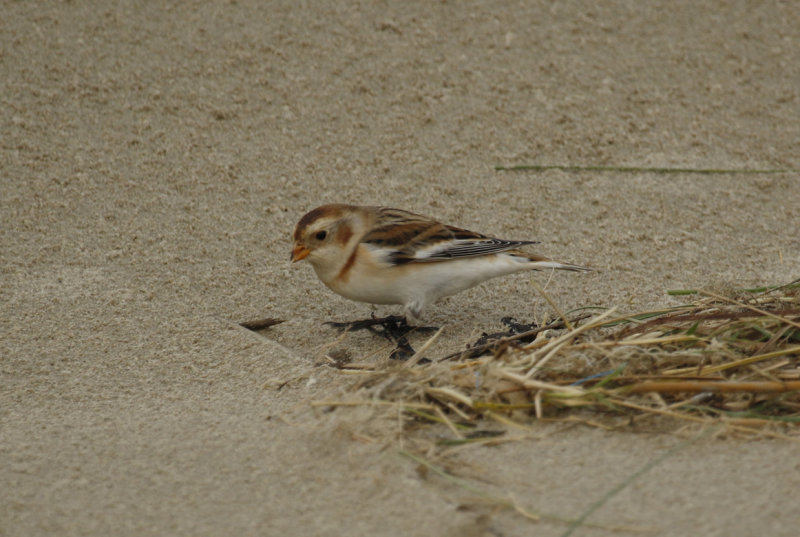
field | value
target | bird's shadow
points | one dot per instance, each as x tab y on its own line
394	328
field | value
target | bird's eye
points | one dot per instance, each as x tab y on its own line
320	236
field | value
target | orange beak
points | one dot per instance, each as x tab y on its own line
299	252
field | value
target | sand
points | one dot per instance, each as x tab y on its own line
155	158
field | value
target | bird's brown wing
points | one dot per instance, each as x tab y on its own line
405	237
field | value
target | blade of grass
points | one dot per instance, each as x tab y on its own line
418	355
467	486
745	414
509	502
713	386
374	402
638	169
636	342
631	478
645	315
755	290
748	306
561	341
738	363
552	304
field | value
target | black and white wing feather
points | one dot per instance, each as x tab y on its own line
405	237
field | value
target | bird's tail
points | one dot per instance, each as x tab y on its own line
537	262
545	265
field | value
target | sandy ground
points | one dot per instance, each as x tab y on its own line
154	160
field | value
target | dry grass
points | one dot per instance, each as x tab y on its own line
733	360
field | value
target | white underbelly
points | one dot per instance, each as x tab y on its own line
423	282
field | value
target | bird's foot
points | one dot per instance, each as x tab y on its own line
394	328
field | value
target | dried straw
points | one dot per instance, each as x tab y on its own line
733	360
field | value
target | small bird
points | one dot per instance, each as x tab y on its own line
382	255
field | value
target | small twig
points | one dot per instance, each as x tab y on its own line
260	324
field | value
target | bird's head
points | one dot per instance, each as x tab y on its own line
326	234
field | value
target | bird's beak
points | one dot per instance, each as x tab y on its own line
299	252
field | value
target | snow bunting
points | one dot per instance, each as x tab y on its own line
390	256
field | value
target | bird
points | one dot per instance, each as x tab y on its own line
382	255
